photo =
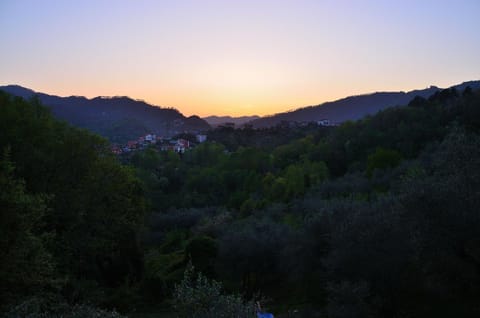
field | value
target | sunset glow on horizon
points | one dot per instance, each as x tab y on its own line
237	57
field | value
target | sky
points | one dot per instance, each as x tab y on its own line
239	57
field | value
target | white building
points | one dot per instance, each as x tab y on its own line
323	122
201	138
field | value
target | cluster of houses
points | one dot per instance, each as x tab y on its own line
181	145
299	124
321	122
161	143
326	122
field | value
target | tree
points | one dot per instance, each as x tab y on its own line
67	182
203	298
203	251
26	266
382	159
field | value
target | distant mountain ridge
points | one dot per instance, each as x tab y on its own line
118	118
238	121
352	107
121	118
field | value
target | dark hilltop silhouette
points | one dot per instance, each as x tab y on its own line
122	118
118	118
352	107
238	121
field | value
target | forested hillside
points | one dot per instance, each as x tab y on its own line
215	121
373	218
353	107
72	217
118	118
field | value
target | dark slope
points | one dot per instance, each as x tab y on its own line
118	118
353	107
238	121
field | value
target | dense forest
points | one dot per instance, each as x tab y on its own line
373	218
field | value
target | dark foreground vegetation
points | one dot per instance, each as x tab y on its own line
374	218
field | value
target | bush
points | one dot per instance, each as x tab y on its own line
42	308
203	298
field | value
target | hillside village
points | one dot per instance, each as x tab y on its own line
180	145
161	143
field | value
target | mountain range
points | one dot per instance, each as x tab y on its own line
238	121
121	118
118	118
353	107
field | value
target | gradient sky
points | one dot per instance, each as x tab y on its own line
237	57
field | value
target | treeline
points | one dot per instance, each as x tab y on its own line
71	219
374	218
244	168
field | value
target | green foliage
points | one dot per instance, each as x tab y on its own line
162	270
39	308
206	154
73	214
203	298
202	251
410	246
26	266
374	218
382	159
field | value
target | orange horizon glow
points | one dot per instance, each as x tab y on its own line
201	105
237	58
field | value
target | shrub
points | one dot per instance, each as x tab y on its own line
203	298
42	308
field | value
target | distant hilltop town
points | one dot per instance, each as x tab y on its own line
179	145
